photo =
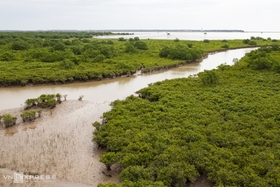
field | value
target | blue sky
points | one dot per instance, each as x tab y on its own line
249	15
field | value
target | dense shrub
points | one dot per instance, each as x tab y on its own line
43	101
8	120
20	45
141	45
60	57
180	52
177	130
209	77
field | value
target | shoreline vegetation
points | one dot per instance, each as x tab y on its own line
31	58
29	113
222	124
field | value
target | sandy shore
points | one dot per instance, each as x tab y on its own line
57	144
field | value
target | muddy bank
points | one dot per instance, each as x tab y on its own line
57	144
114	75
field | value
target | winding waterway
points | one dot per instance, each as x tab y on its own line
60	143
118	88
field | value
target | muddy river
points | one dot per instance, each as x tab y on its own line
57	147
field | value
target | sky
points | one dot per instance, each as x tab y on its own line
248	15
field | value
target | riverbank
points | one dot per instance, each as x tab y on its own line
118	88
128	74
57	144
58	62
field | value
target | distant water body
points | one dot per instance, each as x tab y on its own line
196	35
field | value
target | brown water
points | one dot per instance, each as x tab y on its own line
59	143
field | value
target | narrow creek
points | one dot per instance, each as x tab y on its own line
59	143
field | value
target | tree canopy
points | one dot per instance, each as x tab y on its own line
62	57
177	130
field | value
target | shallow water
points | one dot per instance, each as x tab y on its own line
59	143
111	89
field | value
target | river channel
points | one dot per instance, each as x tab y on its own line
59	143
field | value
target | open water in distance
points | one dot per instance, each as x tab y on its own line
197	35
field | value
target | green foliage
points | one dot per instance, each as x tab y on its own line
260	59
164	52
129	48
9	120
180	52
252	43
20	45
226	46
141	45
61	57
67	64
108	159
206	41
178	129
209	77
43	101
58	46
29	115
99	58
136	173
122	39
7	56
246	41
190	45
176	40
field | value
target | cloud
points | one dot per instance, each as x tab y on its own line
145	14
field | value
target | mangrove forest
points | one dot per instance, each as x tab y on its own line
222	124
28	58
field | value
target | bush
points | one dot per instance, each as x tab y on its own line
28	115
252	43
209	77
9	120
99	58
20	45
122	39
206	41
43	101
225	46
190	45
181	53
141	45
246	41
259	60
164	52
7	56
129	48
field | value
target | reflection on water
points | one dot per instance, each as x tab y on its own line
112	89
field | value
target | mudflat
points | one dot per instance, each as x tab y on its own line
57	144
